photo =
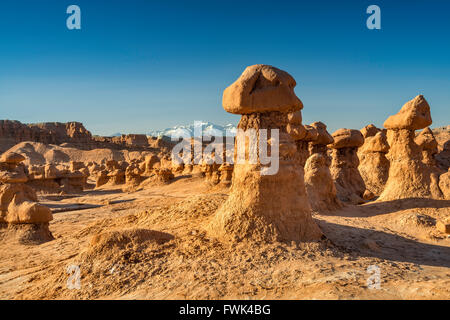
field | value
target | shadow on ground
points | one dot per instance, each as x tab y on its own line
390	246
385	207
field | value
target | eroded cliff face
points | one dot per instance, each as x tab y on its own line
72	134
13	132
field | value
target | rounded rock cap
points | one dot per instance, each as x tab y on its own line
426	140
347	138
414	115
323	136
311	133
12	157
370	130
261	88
376	143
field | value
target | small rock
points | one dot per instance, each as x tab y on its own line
443	227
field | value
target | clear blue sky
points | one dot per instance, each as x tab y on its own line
138	65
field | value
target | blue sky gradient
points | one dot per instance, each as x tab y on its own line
137	66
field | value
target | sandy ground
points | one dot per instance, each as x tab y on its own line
151	244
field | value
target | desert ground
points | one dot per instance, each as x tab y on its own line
357	214
151	245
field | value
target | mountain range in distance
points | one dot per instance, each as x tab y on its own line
208	129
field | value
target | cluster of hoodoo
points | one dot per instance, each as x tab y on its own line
19	207
319	183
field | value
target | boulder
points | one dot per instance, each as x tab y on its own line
261	88
414	115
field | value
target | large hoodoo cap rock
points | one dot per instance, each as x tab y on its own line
261	88
414	115
347	138
323	136
11	157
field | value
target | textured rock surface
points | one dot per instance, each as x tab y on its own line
261	88
266	207
320	186
319	183
374	166
18	202
414	115
344	165
70	134
444	184
427	142
347	138
409	176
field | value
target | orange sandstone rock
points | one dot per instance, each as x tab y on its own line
344	165
374	166
262	206
409	176
261	88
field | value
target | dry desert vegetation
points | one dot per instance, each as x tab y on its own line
356	214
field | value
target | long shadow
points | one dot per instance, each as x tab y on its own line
57	197
57	208
65	207
185	176
121	201
102	192
391	247
385	207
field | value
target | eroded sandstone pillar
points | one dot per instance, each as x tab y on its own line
409	176
260	206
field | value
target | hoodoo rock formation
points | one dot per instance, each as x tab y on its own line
133	175
429	146
319	145
374	166
18	202
311	135
409	176
444	184
226	174
51	178
344	165
319	184
370	130
264	206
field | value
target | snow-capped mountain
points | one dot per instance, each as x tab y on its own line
196	129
